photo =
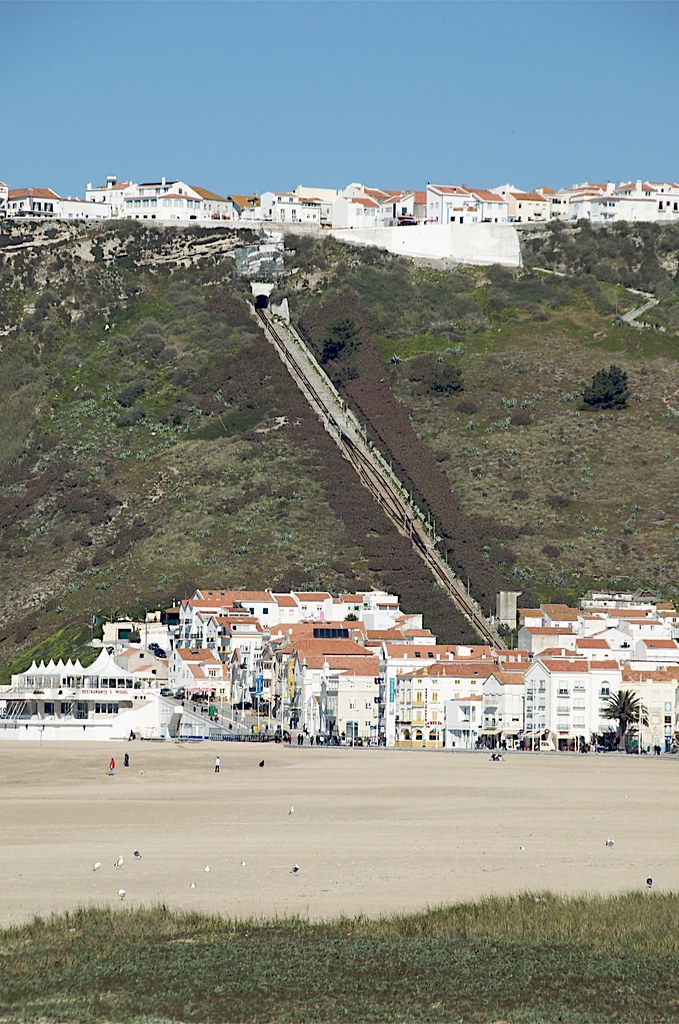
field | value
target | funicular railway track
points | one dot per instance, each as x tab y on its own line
372	469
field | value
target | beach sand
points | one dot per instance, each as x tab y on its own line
373	831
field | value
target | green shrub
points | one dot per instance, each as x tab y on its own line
609	389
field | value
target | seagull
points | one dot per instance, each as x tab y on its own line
119	863
261	764
193	885
291	811
522	847
121	893
295	869
207	868
137	854
96	865
610	842
242	863
649	883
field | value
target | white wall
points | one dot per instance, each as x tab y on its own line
480	244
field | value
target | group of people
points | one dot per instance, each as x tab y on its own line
112	764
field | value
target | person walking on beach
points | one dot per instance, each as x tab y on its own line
217	765
126	762
112	766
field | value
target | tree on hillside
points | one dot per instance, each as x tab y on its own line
341	335
608	390
623	707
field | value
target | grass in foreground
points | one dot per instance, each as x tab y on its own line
530	958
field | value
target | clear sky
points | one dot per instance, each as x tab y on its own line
253	96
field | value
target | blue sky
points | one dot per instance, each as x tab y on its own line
252	96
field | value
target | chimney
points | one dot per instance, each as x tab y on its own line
163	181
638	186
89	186
610	187
111	180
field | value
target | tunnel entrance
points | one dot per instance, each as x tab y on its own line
262	302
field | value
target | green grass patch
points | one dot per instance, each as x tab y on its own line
69	642
529	958
415	345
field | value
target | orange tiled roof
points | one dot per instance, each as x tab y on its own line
33	193
206	194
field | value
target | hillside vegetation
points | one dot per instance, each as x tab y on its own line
153	442
477	375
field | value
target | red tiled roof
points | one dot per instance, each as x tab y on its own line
360	201
33	193
487	196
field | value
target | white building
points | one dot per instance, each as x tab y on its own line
503	707
111	194
32	202
457	204
81	209
402	208
355	212
564	699
4	198
325	196
524	207
176	202
289	208
64	701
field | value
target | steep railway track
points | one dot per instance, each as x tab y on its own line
373	470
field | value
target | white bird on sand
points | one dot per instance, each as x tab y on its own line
295	869
242	863
610	842
292	810
522	847
207	868
121	893
193	885
119	863
137	854
96	865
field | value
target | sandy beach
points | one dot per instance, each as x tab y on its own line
373	831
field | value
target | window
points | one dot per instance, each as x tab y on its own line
368	705
352	705
435	697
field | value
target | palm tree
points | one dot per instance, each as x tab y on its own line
624	706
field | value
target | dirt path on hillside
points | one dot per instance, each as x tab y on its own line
373	831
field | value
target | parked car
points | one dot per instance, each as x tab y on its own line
180	694
157	650
165	691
